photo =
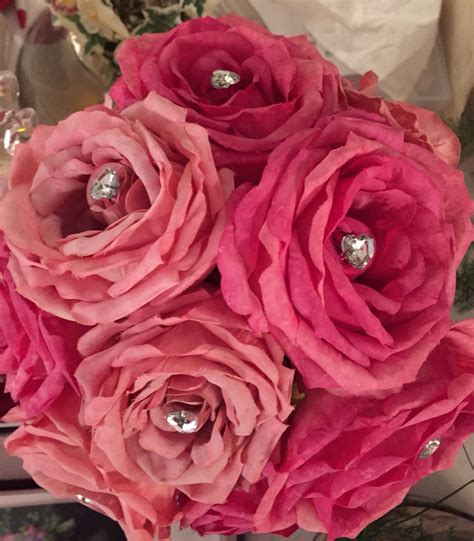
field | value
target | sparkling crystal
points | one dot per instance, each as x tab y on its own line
183	421
358	250
107	186
9	91
18	128
430	448
224	78
82	499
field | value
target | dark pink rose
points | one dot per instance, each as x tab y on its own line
285	84
38	351
151	234
199	358
360	329
346	461
233	517
57	452
423	127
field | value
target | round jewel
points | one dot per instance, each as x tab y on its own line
82	499
224	78
430	448
358	250
183	421
107	186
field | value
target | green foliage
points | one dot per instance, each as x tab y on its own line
45	519
464	129
155	22
395	526
464	299
198	5
139	17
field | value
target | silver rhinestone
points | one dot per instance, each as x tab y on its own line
18	128
107	186
224	78
430	448
358	250
183	421
82	499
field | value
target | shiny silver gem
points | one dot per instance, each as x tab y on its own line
107	186
9	91
358	250
18	128
82	499
430	448
183	421
224	78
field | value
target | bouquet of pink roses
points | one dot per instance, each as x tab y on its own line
225	300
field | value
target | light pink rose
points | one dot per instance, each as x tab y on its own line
56	451
346	461
423	127
285	84
99	260
196	357
360	330
38	351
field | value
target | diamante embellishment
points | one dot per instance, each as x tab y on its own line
183	421
18	128
430	448
358	250
224	78
82	499
107	186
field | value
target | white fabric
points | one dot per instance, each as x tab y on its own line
394	38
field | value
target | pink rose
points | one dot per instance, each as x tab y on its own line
343	324
56	452
38	352
189	399
284	86
423	127
233	517
106	213
346	461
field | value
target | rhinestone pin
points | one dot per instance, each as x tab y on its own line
358	250
430	448
224	79
183	421
107	186
82	499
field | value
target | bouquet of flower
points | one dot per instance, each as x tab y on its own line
97	27
225	299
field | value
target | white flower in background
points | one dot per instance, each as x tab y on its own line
99	18
64	7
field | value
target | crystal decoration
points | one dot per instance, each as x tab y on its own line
9	91
82	499
430	448
183	421
358	250
224	78
107	186
18	128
